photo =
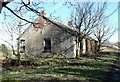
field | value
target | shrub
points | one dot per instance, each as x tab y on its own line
5	51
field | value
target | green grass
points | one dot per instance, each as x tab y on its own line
64	69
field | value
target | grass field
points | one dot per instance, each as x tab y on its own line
83	69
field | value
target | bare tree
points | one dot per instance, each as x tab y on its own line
87	16
11	32
28	6
103	33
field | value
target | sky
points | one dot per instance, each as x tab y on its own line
113	20
63	13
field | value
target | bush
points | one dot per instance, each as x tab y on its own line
5	51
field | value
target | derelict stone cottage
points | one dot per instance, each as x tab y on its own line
46	39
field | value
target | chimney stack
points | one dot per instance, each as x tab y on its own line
70	24
42	13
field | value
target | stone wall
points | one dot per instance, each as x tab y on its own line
62	43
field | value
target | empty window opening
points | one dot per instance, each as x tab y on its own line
47	45
22	46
